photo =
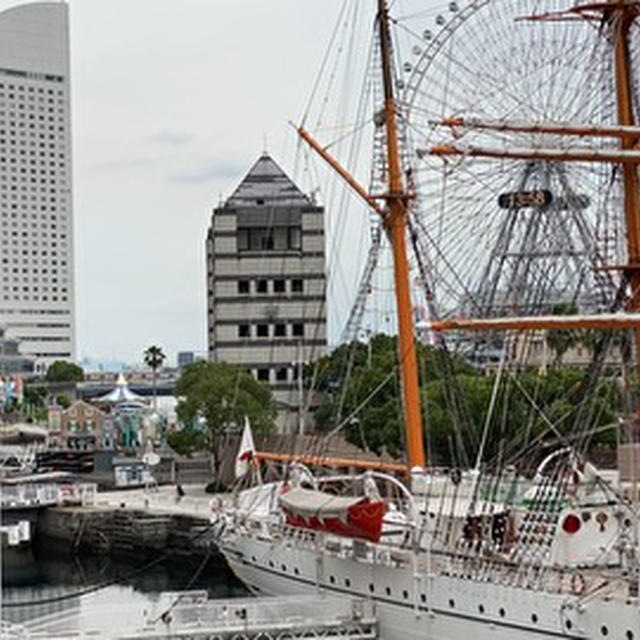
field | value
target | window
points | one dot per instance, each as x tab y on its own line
279	286
243	286
297	285
281	374
262	286
262	331
261	239
285	238
244	331
280	239
243	239
263	375
295	238
280	330
297	329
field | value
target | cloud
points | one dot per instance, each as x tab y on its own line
172	138
131	163
204	172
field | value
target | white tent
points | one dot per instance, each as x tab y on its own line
121	393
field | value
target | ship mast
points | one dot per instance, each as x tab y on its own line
623	18
395	218
396	223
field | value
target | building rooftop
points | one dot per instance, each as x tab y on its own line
267	184
34	37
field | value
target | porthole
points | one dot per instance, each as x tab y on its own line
452	603
284	567
332	579
423	597
388	591
296	571
502	612
347	582
568	624
270	563
253	559
534	618
371	587
481	608
405	594
629	634
604	630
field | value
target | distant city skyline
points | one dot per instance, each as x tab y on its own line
170	103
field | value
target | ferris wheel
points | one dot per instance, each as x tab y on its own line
505	235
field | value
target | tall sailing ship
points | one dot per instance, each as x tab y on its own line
498	550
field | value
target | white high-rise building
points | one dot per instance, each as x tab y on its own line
36	216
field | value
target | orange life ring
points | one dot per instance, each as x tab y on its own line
578	584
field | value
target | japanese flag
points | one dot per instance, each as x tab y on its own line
246	451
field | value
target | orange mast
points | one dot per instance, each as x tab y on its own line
622	17
604	321
397	226
395	218
560	128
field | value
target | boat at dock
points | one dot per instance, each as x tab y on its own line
525	543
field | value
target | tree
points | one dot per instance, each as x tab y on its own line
380	422
223	395
455	401
153	358
63	400
187	441
62	371
561	340
34	402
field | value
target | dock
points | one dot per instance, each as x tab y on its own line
191	615
137	521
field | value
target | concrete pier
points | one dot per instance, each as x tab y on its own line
136	522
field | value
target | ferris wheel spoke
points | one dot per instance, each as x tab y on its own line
488	244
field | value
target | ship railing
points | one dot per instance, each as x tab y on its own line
178	614
577	581
266	612
385	552
39	495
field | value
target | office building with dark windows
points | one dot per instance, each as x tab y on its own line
266	285
36	216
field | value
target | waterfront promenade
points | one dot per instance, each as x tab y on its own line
164	500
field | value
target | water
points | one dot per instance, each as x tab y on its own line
43	580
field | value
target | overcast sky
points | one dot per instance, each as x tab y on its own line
171	104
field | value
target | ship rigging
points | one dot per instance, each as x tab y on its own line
492	551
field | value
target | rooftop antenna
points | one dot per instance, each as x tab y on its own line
265	150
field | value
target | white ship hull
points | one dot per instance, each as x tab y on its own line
412	607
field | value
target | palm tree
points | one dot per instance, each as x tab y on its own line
153	358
